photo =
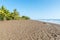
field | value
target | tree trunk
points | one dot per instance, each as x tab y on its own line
4	18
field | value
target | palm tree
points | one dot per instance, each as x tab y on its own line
4	12
15	14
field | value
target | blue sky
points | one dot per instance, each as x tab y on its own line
35	9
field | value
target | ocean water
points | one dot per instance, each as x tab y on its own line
57	21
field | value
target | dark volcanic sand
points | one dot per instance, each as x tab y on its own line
28	30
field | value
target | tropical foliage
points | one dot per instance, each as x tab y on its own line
5	14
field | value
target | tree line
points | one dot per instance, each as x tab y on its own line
5	14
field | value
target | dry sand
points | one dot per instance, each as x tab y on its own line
28	30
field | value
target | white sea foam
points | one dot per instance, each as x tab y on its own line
57	21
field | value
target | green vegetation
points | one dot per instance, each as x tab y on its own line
5	14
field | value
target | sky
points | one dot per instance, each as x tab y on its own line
35	9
